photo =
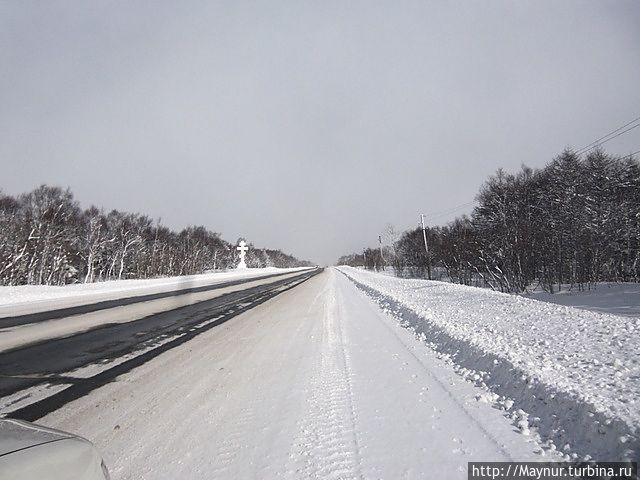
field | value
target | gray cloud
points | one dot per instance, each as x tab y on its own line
305	126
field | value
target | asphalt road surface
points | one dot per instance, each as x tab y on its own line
82	362
44	315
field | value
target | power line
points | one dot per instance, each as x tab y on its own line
594	143
599	141
591	146
449	210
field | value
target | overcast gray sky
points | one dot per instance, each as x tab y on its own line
305	126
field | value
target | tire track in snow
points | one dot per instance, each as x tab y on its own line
246	444
327	446
234	442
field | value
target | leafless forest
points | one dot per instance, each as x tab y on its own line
576	221
47	239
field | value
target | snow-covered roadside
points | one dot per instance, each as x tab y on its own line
621	299
569	375
25	299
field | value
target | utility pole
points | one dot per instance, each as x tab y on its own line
364	257
381	257
426	245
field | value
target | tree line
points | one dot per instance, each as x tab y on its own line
47	239
574	222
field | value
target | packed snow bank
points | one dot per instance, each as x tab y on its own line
570	375
615	298
25	299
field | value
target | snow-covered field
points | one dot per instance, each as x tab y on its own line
24	299
616	298
316	383
569	376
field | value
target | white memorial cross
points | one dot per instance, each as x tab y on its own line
242	248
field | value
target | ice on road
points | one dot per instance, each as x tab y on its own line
315	383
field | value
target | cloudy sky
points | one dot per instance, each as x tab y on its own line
305	126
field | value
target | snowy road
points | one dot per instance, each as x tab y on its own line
317	382
66	358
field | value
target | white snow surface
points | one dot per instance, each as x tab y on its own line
574	374
621	299
317	382
25	299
